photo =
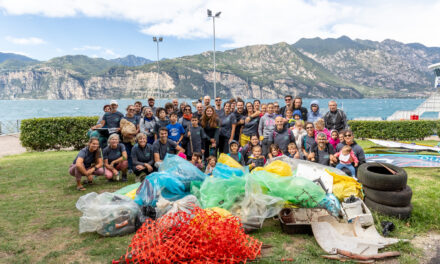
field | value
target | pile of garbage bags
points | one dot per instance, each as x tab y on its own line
251	196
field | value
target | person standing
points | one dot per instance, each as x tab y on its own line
335	118
147	124
266	127
250	126
207	101
314	113
227	129
199	111
239	118
288	100
297	105
218	107
151	104
210	124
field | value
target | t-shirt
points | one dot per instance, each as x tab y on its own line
250	128
197	140
135	119
88	157
113	154
159	124
112	119
226	125
220	113
323	156
238	118
163	149
175	131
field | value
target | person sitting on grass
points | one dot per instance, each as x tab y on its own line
164	145
292	151
323	152
115	159
256	159
87	163
196	160
175	130
346	157
233	152
274	151
142	157
211	165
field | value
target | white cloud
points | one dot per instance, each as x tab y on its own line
25	41
246	22
98	51
87	47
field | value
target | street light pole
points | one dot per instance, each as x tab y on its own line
217	15
157	40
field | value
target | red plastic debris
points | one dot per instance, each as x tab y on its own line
199	237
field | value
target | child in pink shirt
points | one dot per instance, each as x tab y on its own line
334	138
346	158
319	128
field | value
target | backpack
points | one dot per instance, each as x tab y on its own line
289	132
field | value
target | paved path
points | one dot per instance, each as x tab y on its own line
10	144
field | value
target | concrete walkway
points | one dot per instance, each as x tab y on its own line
10	144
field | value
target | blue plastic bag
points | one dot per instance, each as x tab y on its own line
332	204
172	182
225	172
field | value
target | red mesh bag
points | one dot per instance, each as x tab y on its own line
197	237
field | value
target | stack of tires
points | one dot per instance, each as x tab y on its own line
385	192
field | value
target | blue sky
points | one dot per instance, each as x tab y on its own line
113	28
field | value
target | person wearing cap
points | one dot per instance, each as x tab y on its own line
151	104
111	119
233	152
314	113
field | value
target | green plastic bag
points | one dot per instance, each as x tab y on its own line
223	193
298	190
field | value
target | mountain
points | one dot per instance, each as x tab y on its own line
13	56
131	61
391	66
318	68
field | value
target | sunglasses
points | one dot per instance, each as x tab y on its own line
218	100
347	135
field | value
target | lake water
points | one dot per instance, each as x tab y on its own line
13	110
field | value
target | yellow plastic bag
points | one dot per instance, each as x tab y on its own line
227	160
280	168
344	186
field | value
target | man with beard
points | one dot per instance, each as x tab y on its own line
199	111
151	104
323	152
297	105
240	116
218	107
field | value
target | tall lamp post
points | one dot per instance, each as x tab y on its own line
157	40
217	15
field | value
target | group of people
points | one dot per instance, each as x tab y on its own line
249	132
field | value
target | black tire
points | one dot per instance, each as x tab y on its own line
376	176
398	212
391	198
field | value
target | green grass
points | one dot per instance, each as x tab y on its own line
39	221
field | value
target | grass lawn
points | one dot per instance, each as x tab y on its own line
39	221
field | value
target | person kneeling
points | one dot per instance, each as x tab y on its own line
142	157
87	163
115	159
164	145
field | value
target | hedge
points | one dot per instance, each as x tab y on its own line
55	132
394	130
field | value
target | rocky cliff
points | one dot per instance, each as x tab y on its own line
342	68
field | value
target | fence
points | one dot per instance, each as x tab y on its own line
9	127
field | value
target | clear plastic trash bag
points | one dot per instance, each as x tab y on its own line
164	206
108	214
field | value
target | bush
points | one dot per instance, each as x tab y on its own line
395	130
55	132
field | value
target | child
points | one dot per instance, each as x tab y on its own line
196	160
233	152
246	151
290	122
162	122
292	151
319	128
274	151
346	158
211	165
196	137
297	115
256	159
299	132
334	139
175	130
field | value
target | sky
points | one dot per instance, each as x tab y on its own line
109	29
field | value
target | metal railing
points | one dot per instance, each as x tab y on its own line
9	127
